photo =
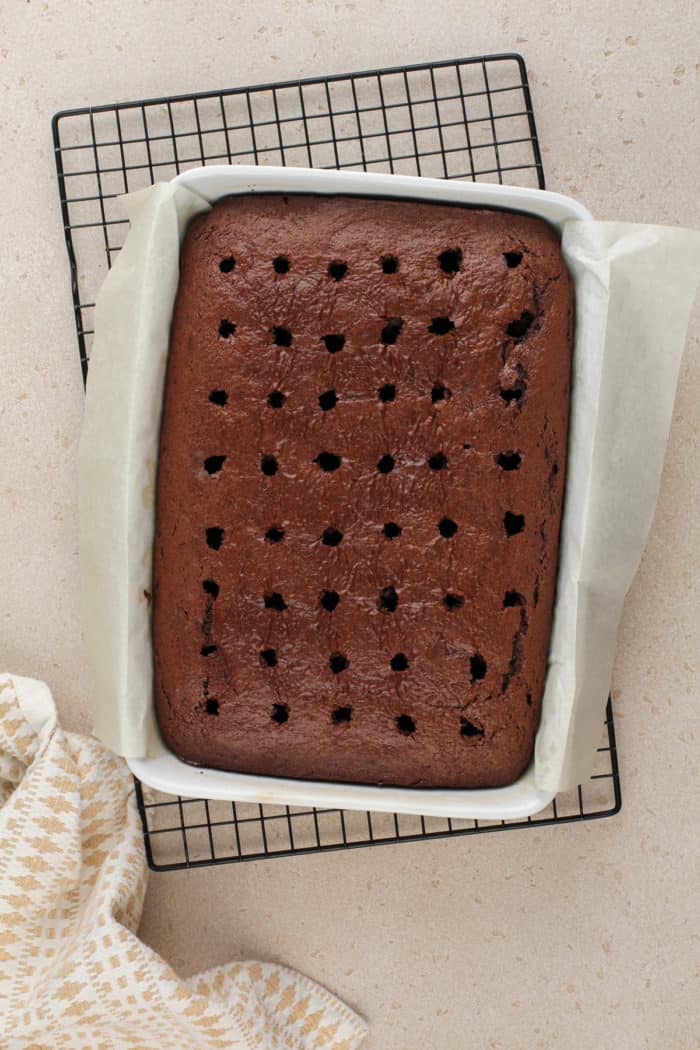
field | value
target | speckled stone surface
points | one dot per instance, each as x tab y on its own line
568	938
375	367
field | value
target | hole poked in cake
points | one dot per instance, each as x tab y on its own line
226	328
528	698
274	600
440	393
337	269
520	326
281	264
513	393
453	601
211	706
218	397
338	663
275	534
513	523
469	728
509	460
389	264
513	389
209	650
328	461
477	667
447	527
513	259
269	465
388	599
329	600
387	392
438	461
281	336
341	716
328	400
211	588
386	464
334	342
406	725
268	657
512	599
227	264
280	714
450	260
276	399
391	330
213	464
399	662
331	537
441	326
391	530
215	537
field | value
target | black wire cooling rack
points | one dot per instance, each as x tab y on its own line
469	118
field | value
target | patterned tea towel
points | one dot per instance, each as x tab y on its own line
73	973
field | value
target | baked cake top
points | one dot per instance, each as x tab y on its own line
359	492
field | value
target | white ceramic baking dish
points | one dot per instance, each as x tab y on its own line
167	773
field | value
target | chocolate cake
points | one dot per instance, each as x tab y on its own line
362	461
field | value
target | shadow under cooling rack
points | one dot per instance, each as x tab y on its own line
468	118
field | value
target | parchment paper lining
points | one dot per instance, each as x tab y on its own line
634	292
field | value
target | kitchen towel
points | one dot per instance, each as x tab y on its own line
73	973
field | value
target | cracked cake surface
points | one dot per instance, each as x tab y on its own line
360	482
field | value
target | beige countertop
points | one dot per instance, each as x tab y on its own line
572	937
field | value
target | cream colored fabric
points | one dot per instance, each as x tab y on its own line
73	973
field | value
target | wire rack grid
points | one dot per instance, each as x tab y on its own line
468	118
